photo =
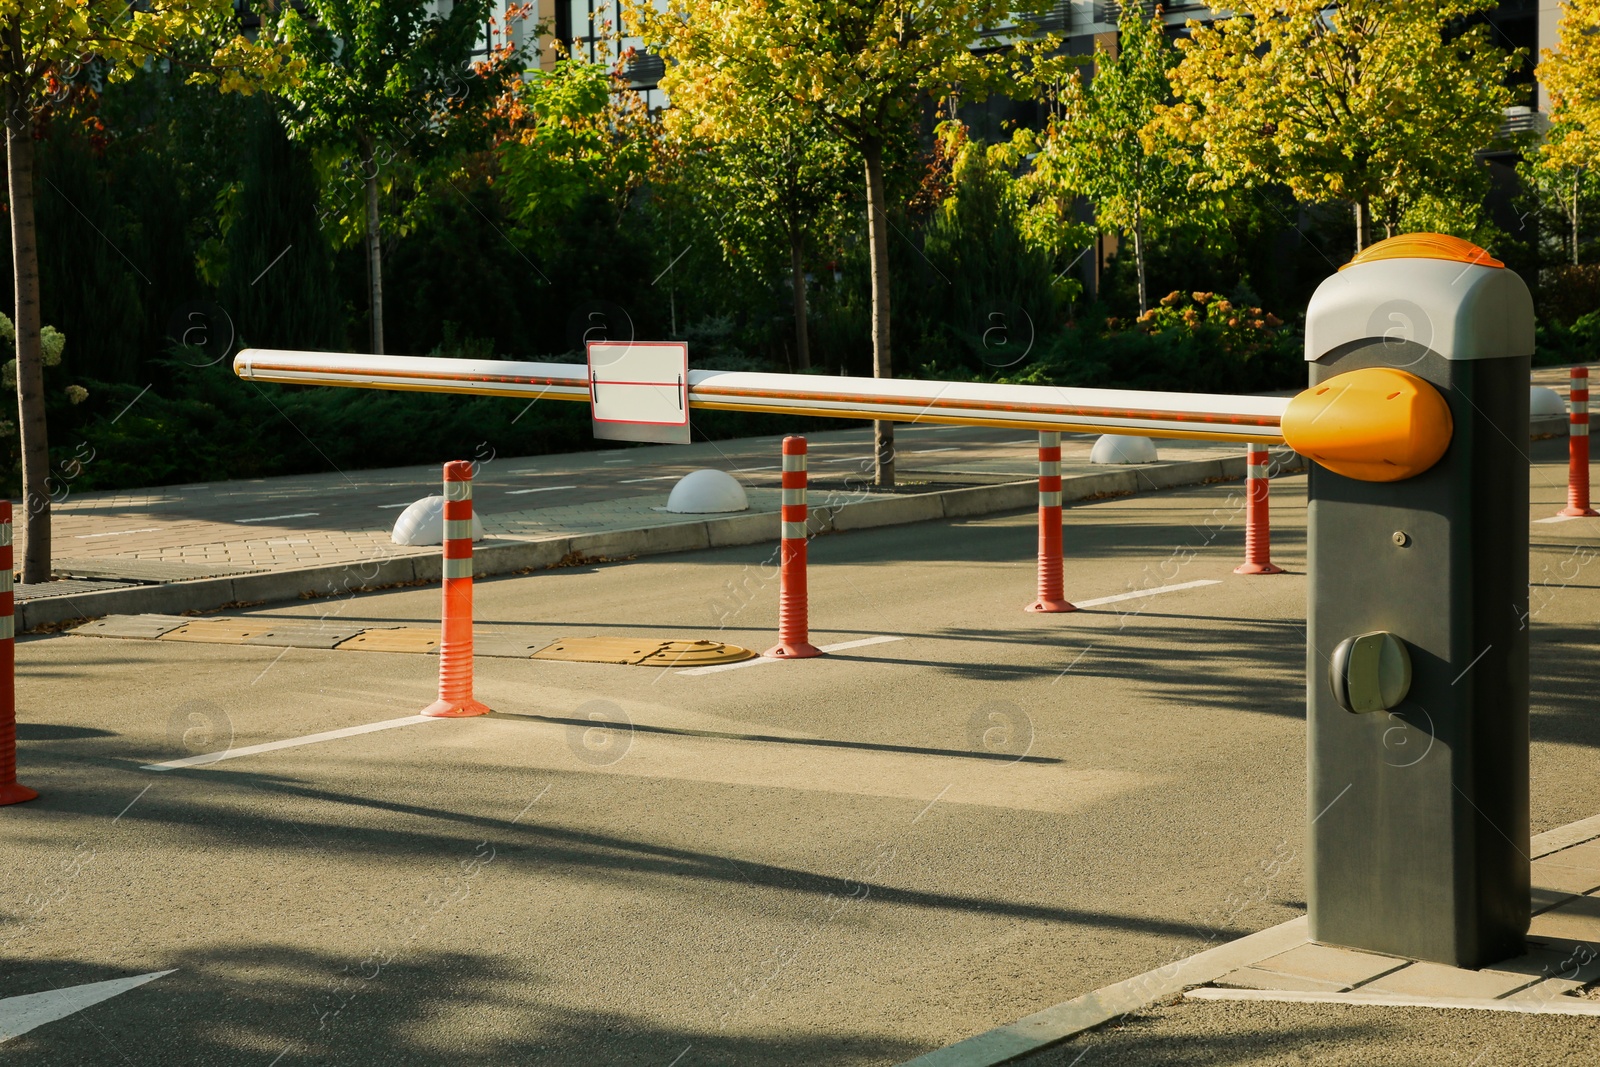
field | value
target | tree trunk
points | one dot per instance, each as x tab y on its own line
1577	212
30	363
1138	259
797	269
374	248
1363	225
878	242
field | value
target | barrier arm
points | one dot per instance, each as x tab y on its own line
1199	416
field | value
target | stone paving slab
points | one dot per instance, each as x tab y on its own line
1343	967
143	570
134	627
1436	980
66	587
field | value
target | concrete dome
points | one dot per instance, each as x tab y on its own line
423	524
707	492
1115	448
1545	403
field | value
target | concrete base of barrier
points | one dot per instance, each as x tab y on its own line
491	557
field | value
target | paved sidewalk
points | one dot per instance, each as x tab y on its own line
201	547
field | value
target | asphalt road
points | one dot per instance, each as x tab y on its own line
837	861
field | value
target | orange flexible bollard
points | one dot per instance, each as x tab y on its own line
794	636
455	645
1052	596
1258	518
10	791
1578	448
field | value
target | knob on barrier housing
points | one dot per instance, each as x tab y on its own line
1371	672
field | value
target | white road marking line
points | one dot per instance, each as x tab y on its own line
759	660
541	489
925	451
18	1015
1140	593
118	533
292	742
407	504
747	470
657	478
273	518
1559	518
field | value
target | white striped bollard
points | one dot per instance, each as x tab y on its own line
1578	448
1258	515
1052	594
10	791
794	636
455	638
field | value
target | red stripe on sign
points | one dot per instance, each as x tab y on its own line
1050	483
793	512
458	548
794	479
458	470
1050	455
794	446
458	509
1580	417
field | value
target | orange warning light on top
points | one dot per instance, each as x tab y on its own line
1425	246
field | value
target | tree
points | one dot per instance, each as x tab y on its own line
44	47
859	68
1565	167
1370	102
385	82
577	135
766	194
1105	141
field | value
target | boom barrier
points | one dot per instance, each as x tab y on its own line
1042	408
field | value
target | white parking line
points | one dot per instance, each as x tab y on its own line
117	533
383	507
657	478
925	451
292	742
29	1011
759	660
541	489
1139	593
274	518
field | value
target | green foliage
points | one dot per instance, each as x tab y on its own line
578	144
982	292
1104	142
1201	342
1369	102
276	267
1571	344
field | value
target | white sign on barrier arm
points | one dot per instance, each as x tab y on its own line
639	391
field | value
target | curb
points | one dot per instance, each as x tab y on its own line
491	558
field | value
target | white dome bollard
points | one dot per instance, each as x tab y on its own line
423	524
707	492
1545	403
1115	448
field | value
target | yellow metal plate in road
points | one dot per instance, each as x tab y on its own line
396	639
649	651
218	631
697	654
